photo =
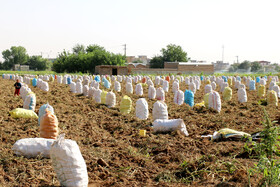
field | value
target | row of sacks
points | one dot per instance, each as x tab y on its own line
65	154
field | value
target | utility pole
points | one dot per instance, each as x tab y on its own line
223	48
124	49
236	59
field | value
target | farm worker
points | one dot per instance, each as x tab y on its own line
17	85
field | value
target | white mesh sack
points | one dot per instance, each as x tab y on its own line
85	90
117	86
95	85
129	88
213	84
223	86
165	85
97	95
207	88
192	87
165	125
73	87
30	102
197	84
242	95
135	79
214	101
187	80
160	94
277	90
64	80
263	81
68	163
237	83
160	110
242	86
33	147
141	109
150	83
119	78
151	92
91	92
79	88
179	97
110	99
175	86
157	80
59	79
45	86
129	80
271	84
139	89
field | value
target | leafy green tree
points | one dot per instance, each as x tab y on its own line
234	67
244	65
157	62
137	61
37	63
94	47
86	62
174	53
14	55
78	48
255	66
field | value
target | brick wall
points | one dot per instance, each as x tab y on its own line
173	65
196	68
122	71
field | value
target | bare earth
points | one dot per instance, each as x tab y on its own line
129	160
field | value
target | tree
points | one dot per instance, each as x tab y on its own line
244	65
137	61
234	67
157	62
86	62
94	47
174	53
37	63
78	48
14	55
255	66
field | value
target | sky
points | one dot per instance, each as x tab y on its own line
248	29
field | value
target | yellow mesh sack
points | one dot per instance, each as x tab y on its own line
23	113
126	105
230	81
272	98
227	94
103	96
261	90
206	100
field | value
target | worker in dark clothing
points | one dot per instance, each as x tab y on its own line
17	85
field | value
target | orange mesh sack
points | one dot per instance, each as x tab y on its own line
49	126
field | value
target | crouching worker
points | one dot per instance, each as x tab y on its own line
17	85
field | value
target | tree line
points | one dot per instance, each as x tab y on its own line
84	59
18	55
251	66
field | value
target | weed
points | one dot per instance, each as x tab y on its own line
267	151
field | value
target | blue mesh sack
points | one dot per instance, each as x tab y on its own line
189	98
34	82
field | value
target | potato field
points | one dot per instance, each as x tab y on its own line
114	152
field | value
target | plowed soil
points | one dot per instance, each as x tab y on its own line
168	159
